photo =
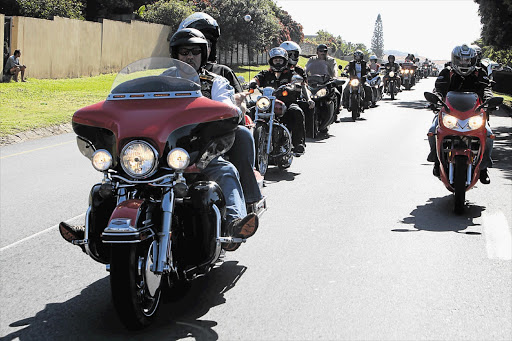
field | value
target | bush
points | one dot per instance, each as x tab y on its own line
46	9
167	12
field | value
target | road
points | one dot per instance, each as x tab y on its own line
359	243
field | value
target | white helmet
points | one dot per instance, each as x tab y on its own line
463	60
373	57
293	50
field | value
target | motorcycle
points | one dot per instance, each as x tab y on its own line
273	140
154	219
460	139
356	98
375	82
392	84
327	103
407	75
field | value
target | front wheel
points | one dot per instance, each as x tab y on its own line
459	184
135	288
355	108
392	87
261	140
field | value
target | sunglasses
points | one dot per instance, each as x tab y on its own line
323	51
185	52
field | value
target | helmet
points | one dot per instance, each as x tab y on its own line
358	55
463	60
207	25
478	51
293	50
275	53
391	57
373	57
321	47
189	36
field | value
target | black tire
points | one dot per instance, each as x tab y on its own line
459	184
134	295
355	108
392	86
260	139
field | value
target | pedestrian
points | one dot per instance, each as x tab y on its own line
13	67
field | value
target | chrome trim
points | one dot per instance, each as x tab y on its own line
156	157
469	174
164	237
450	173
164	177
287	132
154	95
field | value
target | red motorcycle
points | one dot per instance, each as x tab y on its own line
154	219
460	140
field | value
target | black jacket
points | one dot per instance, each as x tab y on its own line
477	81
226	72
352	69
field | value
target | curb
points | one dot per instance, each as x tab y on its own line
35	134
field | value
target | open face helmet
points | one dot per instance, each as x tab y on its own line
358	55
373	58
275	56
293	50
189	36
463	60
207	25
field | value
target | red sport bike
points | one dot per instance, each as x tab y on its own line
460	139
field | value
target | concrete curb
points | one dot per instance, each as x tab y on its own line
35	134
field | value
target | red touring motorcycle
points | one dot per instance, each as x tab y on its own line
154	220
460	140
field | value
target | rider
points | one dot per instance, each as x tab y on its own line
392	66
279	74
322	63
374	66
357	68
190	46
463	75
243	158
211	30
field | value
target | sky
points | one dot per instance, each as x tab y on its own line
426	28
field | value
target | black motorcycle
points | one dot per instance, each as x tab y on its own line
325	94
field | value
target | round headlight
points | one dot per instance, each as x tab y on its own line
476	122
449	121
101	160
139	159
178	159
354	82
263	103
321	92
391	74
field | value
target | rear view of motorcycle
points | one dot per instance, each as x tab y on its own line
154	220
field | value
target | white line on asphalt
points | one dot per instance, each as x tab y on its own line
39	233
497	236
33	150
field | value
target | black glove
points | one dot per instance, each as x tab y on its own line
253	85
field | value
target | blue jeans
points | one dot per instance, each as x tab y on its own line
242	156
227	177
486	158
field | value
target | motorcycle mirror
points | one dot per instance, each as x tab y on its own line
491	103
430	97
297	79
241	79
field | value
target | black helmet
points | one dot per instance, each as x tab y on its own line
321	47
189	36
358	55
391	57
207	25
277	52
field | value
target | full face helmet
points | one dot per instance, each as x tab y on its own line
189	36
358	55
463	60
208	26
391	58
293	50
478	51
277	52
373	58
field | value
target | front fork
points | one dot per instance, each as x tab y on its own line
162	253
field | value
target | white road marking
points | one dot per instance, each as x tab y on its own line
39	233
497	236
33	150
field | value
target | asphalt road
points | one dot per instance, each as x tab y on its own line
359	243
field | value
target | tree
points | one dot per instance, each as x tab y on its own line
378	38
496	19
167	12
46	9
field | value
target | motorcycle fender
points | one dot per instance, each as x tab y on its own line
458	152
124	225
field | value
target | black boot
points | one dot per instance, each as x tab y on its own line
484	177
72	233
436	171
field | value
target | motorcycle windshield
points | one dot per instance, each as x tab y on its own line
156	76
462	101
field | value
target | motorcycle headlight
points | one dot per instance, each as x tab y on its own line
391	74
449	121
354	82
101	160
263	103
178	159
139	159
476	122
321	93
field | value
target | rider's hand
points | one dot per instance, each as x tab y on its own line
311	104
253	85
240	101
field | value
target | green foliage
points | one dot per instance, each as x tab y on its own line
378	38
496	18
337	44
168	12
46	9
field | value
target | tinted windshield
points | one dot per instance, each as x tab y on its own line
462	101
154	75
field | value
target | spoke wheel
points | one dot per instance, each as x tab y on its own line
261	140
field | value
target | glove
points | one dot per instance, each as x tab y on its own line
253	85
311	104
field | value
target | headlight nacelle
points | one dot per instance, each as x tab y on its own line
139	159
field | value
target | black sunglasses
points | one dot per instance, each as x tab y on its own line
322	51
184	51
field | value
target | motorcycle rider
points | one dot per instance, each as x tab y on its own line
279	74
374	66
322	63
240	156
190	46
211	30
463	75
357	68
392	66
478	51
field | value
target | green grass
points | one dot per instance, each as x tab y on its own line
507	99
41	103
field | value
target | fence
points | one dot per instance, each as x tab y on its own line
68	48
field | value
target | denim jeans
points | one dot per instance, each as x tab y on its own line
486	158
226	176
242	156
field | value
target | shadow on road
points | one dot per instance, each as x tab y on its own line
91	315
437	216
502	151
274	175
419	104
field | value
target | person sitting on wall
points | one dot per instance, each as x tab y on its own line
13	67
